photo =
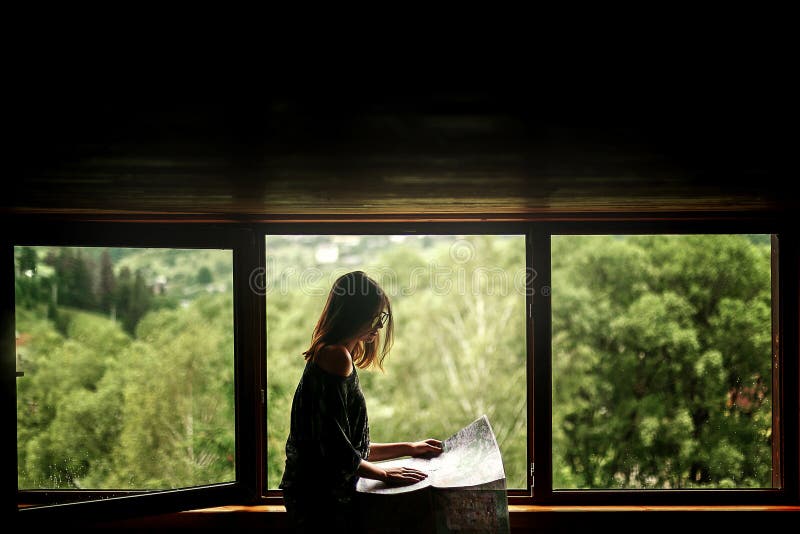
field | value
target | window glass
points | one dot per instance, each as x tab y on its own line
458	304
662	358
127	368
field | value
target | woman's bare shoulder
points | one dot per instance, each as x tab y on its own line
335	359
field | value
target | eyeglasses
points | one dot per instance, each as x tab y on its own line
380	320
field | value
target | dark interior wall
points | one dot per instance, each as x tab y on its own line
354	152
514	153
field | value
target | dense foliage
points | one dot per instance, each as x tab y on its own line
661	356
134	393
661	362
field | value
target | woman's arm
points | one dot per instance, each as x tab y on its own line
397	476
388	451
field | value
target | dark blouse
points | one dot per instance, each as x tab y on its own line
329	434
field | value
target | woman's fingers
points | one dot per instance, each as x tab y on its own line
406	475
434	444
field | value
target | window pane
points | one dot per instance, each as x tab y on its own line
662	361
459	334
127	357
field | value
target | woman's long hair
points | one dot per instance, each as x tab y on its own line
353	303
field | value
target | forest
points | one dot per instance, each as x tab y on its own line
661	356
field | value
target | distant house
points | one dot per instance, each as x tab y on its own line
160	285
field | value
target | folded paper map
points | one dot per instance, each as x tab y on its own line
465	490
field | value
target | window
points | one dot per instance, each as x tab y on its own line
127	351
658	345
624	362
459	352
126	357
662	362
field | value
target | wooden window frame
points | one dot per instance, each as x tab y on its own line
46	505
273	496
246	239
785	365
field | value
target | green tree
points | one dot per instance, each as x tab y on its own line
107	283
204	275
123	294
661	362
27	261
74	279
65	421
133	298
100	410
178	426
141	297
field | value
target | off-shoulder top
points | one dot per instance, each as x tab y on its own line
328	436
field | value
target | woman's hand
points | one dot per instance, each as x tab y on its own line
403	476
426	449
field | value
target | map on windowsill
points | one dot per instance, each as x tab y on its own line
470	457
465	489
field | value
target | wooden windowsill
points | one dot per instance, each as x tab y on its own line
522	518
544	519
522	509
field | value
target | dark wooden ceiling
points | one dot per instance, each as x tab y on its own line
448	154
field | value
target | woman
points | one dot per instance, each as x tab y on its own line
328	447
